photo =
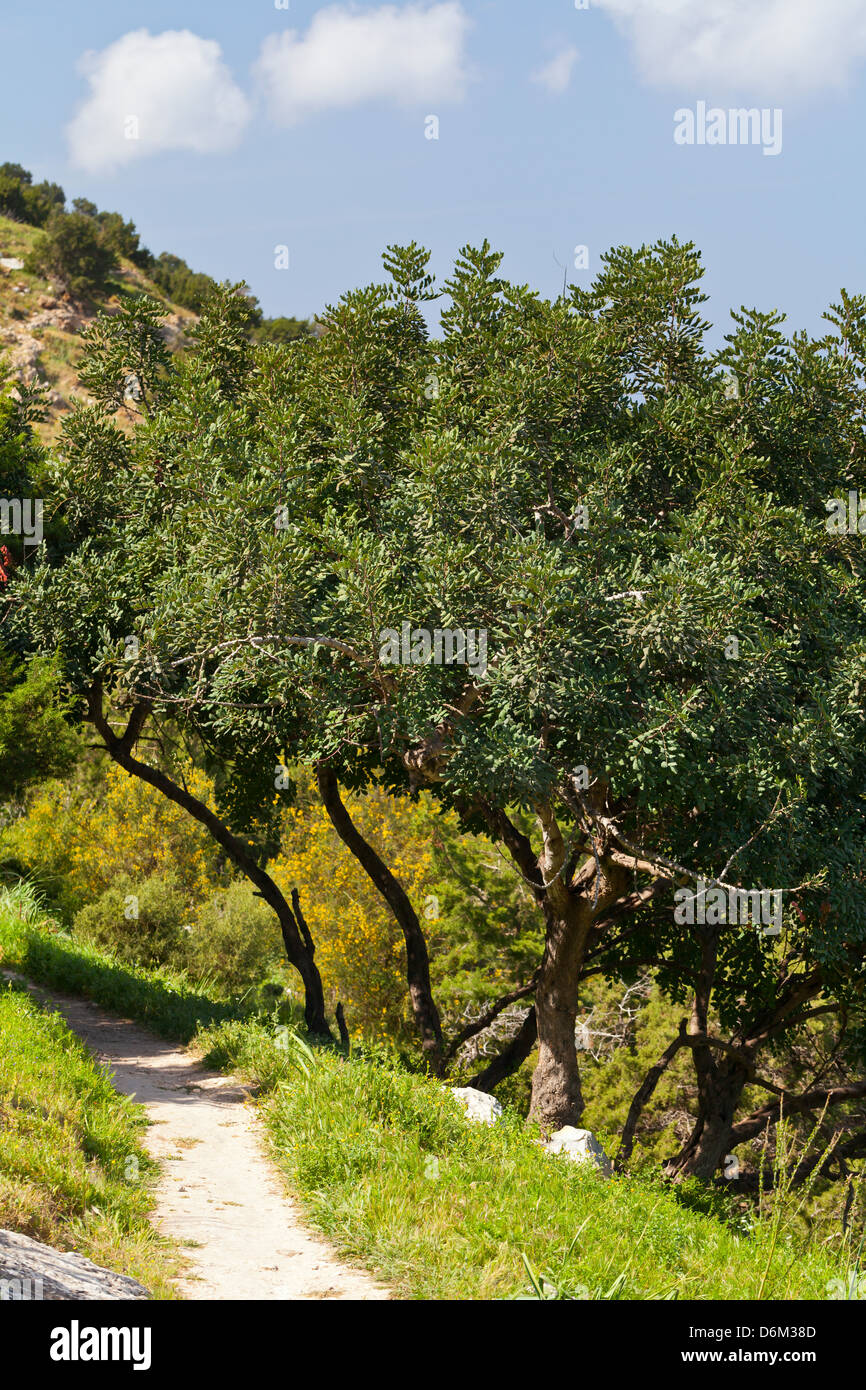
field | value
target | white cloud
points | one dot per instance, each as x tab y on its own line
769	46
153	92
556	75
399	54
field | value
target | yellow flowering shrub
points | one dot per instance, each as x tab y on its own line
359	947
78	838
83	836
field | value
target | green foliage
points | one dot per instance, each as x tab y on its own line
266	1053
17	172
281	331
35	739
119	235
221	340
235	939
125	359
180	284
165	1000
288	508
480	916
139	923
74	252
25	201
626	1037
22	461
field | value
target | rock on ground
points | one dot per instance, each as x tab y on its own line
31	1270
580	1146
481	1107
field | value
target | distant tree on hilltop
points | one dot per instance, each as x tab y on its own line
75	253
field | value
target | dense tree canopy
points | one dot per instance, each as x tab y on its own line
669	693
75	252
35	739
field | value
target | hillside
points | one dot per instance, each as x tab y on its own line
39	328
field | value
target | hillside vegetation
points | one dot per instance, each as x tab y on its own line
44	306
388	1167
40	325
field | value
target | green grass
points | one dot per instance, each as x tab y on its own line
37	947
385	1164
73	1173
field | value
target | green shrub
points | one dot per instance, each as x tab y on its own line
182	286
235	939
74	252
140	923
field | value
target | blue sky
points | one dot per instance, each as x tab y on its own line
262	126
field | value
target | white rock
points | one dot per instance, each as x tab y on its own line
580	1146
11	263
480	1106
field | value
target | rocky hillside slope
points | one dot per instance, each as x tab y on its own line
39	329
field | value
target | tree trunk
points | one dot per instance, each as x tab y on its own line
570	908
302	959
298	949
417	960
710	1142
721	1081
557	1098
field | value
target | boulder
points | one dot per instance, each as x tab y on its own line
61	316
32	1271
11	263
23	354
480	1107
580	1146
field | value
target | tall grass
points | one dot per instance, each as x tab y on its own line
73	1173
387	1166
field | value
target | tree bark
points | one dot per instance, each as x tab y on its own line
557	1097
722	1080
709	1144
424	1007
299	950
570	908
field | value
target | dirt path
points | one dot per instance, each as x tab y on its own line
218	1187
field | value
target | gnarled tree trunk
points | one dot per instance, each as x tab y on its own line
299	947
720	1088
570	908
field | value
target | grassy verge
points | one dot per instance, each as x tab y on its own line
389	1169
165	1001
73	1173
